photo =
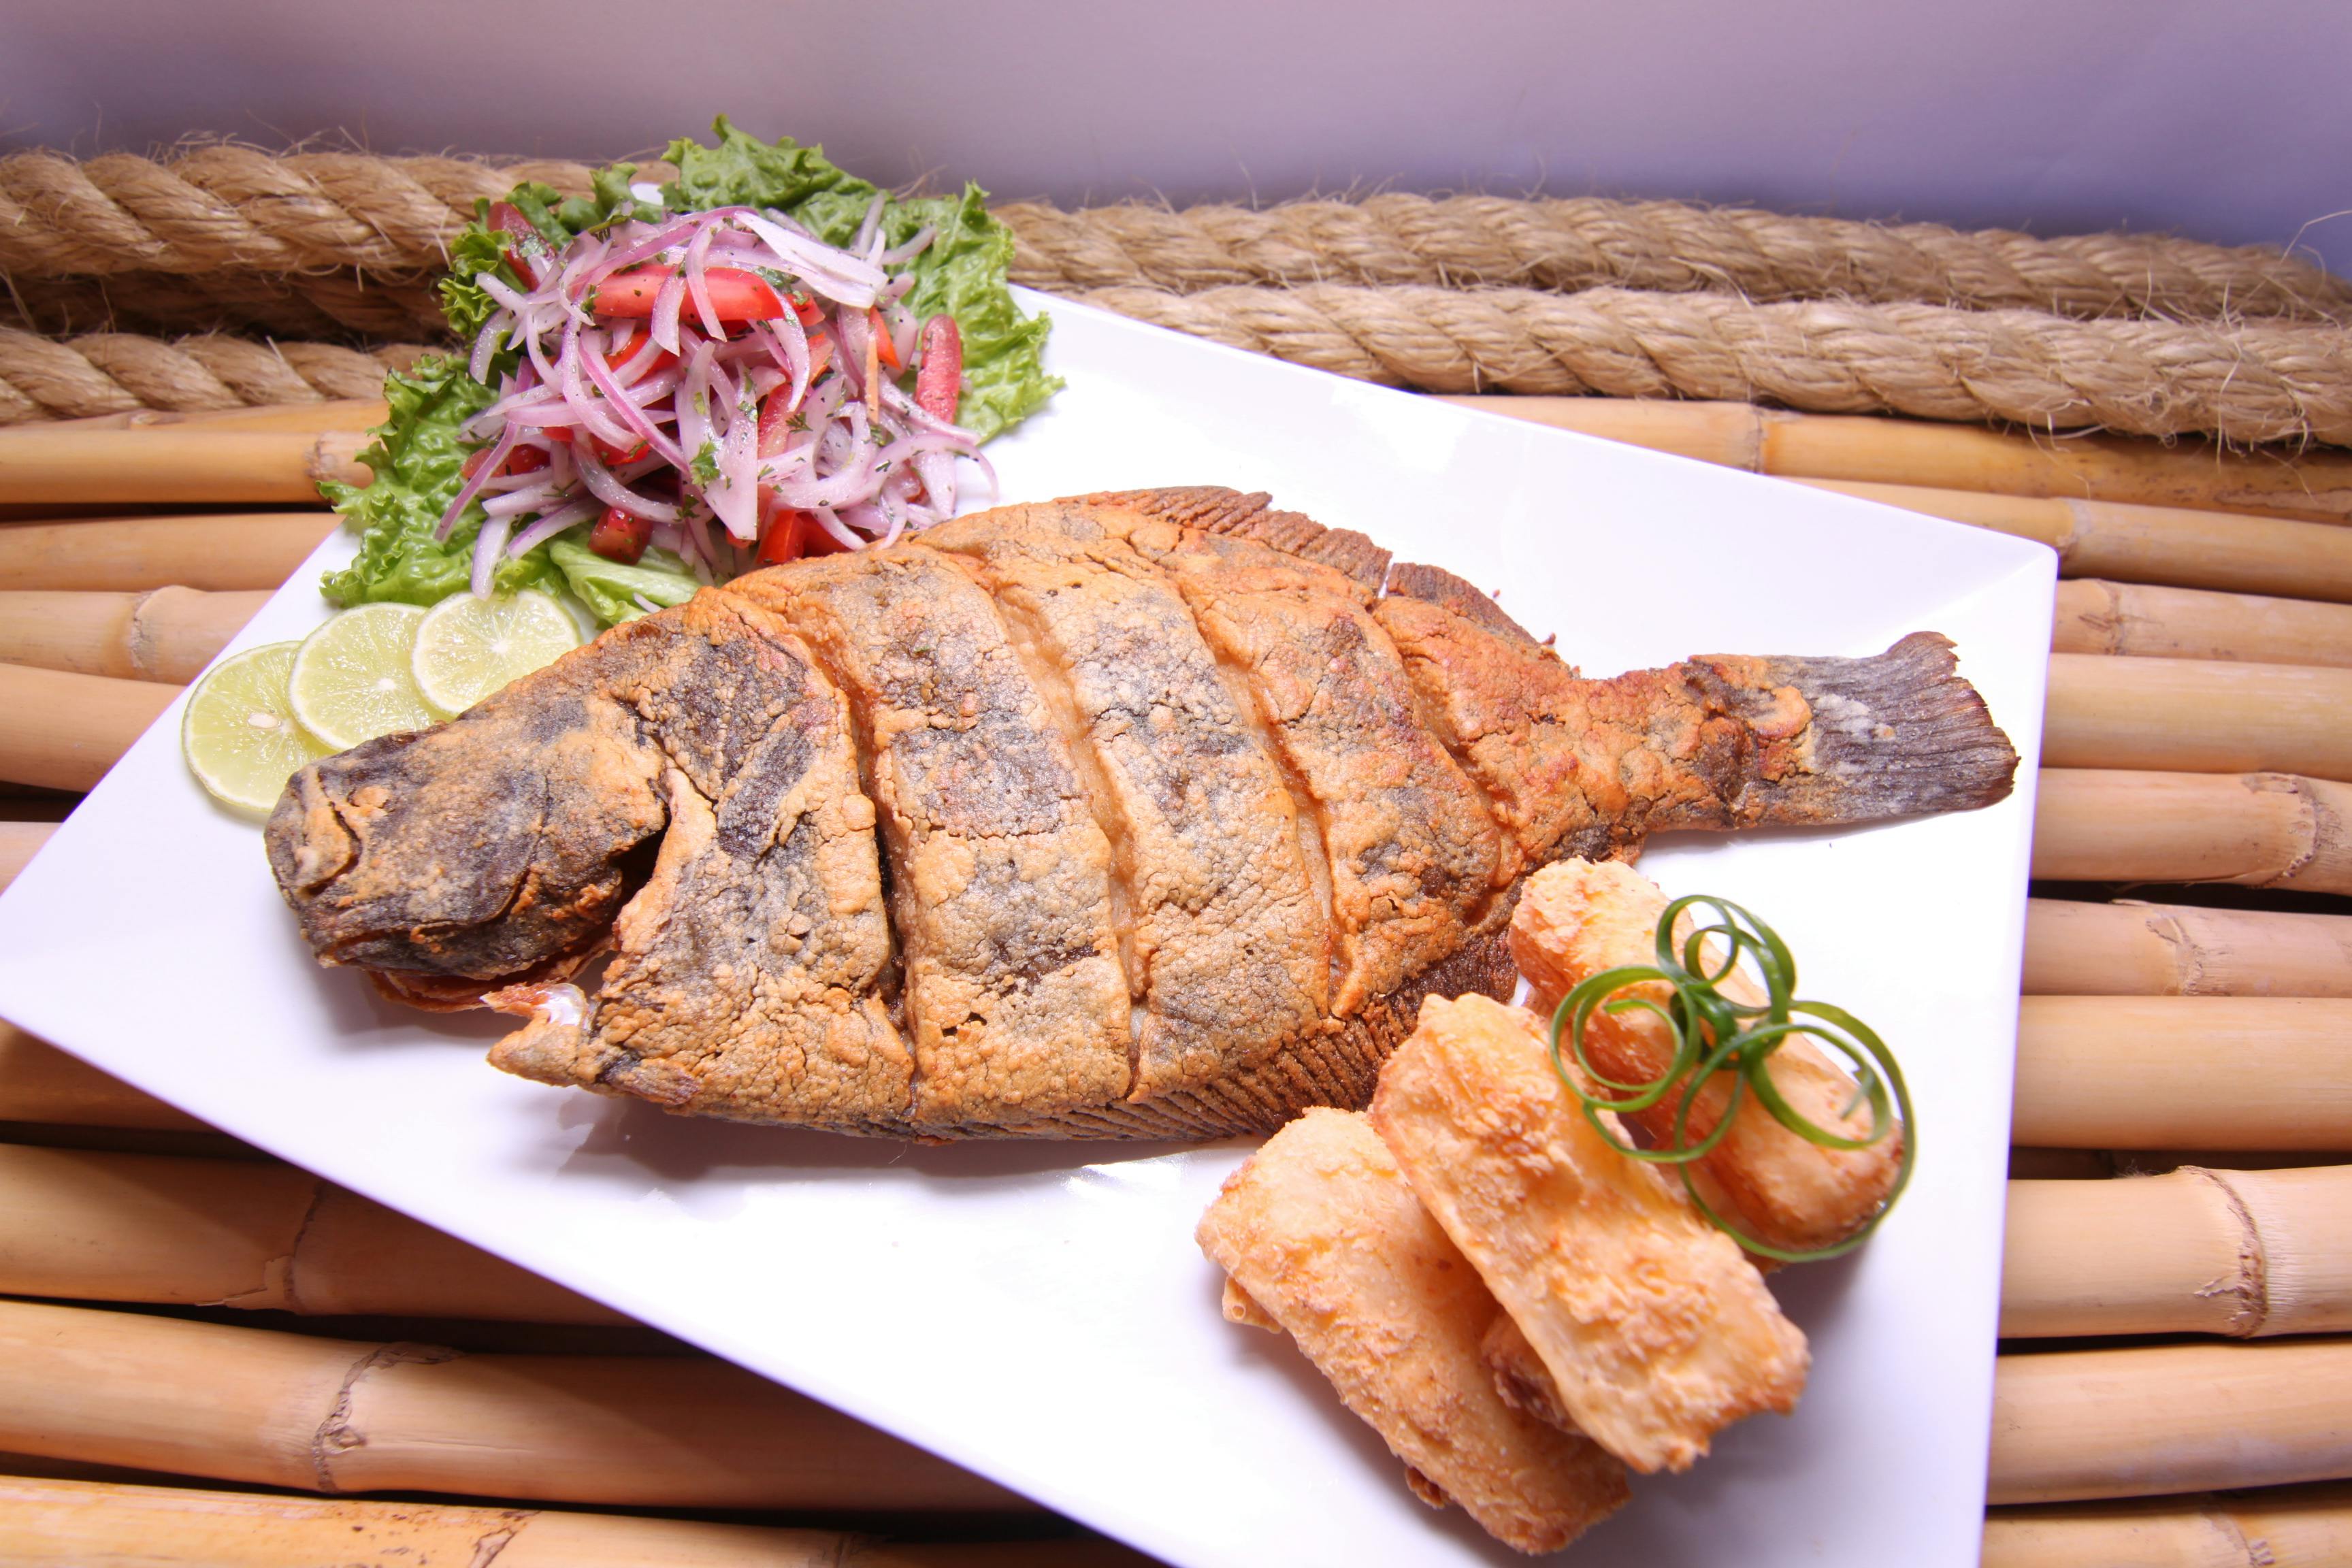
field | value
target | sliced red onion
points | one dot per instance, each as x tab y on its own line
635	418
735	497
833	525
869	231
612	492
550	525
666	306
790	340
488	547
514	503
899	255
854	328
698	283
499	453
485	344
937	470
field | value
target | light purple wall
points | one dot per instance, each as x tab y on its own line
2229	123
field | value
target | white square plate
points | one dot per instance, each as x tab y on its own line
1040	1313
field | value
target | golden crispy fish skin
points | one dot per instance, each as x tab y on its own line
1321	1238
1656	1330
1578	918
1152	813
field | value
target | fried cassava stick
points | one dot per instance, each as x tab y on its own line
1321	1234
1555	1221
1578	918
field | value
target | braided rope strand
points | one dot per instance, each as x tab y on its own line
302	218
2247	383
118	372
1667	247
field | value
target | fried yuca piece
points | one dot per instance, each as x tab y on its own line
1322	1239
1656	1330
1576	918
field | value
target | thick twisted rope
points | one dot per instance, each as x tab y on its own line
330	227
2248	383
116	373
1670	247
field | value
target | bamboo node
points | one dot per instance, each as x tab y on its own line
2251	1285
336	1435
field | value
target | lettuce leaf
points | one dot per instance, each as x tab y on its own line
417	453
613	590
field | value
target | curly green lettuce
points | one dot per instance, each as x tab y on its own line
417	453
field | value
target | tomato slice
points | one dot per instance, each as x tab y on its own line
886	347
621	536
735	295
938	384
793	535
527	248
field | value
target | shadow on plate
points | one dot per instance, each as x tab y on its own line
675	1148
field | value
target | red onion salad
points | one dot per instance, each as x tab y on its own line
722	384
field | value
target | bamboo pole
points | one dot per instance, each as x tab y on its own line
2134	620
2177	545
2181	949
95	1227
55	1521
317	418
19	842
319	1414
2246	1253
2183	1072
2297	1526
63	732
39	1082
2249	1254
2257	830
1873	449
222	553
173	465
2205	716
2142	1422
165	633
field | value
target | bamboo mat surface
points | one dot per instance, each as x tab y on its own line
200	1348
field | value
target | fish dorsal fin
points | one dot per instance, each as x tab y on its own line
1437	585
1214	509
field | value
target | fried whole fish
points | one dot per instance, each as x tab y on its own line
1152	813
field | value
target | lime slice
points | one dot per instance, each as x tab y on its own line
469	647
350	680
239	734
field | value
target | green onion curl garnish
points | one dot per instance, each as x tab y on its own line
1712	1034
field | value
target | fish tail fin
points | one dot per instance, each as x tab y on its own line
1820	741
